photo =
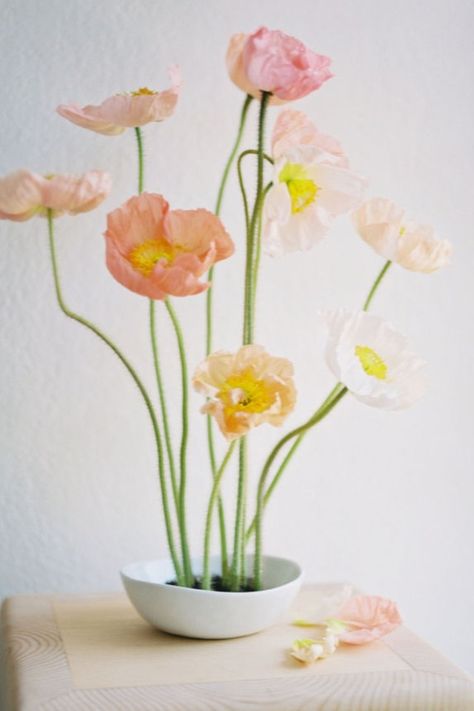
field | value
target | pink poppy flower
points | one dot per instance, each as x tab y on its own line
24	194
156	252
117	113
367	618
270	60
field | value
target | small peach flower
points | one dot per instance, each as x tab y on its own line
272	61
117	113
367	618
24	194
246	389
157	252
312	185
372	360
383	225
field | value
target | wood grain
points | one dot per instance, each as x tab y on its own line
39	678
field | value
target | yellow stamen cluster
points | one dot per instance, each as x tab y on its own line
144	256
371	362
243	392
143	91
302	189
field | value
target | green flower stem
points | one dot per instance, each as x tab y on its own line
209	328
206	579
251	529
141	162
217	210
156	431
188	574
164	409
242	183
258	251
248	328
239	525
334	392
319	415
376	285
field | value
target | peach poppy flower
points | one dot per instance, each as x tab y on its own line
156	252
383	225
24	194
246	389
312	185
117	113
270	60
367	618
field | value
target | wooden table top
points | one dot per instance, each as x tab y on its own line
64	653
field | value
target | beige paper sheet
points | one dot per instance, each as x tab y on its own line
108	645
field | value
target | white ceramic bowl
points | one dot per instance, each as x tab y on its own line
206	614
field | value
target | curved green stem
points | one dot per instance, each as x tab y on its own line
206	579
209	327
251	529
217	210
164	409
242	183
141	162
319	415
188	574
159	447
376	285
248	326
258	251
300	438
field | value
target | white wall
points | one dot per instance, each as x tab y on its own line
384	500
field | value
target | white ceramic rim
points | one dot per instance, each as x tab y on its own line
127	573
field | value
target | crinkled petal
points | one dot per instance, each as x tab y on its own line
72	194
368	617
21	195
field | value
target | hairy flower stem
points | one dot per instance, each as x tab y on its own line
333	394
251	529
188	573
141	161
156	431
209	330
164	409
178	491
317	417
376	285
206	578
247	338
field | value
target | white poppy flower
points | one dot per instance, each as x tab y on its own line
372	360
312	184
383	225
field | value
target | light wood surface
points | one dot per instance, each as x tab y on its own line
95	653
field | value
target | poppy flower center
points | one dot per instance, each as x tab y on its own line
302	189
371	362
143	91
144	256
243	392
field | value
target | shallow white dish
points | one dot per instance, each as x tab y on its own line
207	614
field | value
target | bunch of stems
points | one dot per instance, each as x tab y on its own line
233	573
